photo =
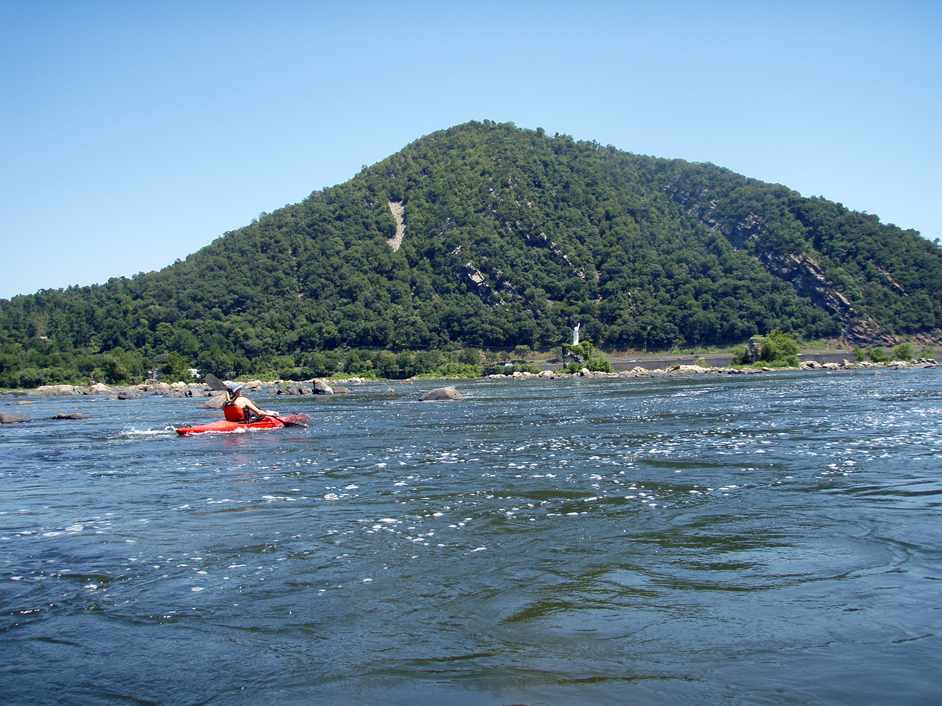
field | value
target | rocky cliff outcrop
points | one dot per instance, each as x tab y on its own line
809	280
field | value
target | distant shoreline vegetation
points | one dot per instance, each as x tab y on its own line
28	368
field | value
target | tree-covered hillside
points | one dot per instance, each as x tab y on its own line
511	237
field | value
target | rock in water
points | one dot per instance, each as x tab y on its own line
128	395
322	388
442	393
11	419
215	402
50	390
289	388
69	415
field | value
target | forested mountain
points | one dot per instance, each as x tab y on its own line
510	237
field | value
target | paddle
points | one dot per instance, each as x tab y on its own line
294	420
215	383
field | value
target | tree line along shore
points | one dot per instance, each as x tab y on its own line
129	370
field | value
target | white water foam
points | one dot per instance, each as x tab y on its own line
133	432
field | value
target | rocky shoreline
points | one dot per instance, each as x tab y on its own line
184	389
674	370
336	386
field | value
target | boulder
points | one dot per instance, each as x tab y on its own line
442	393
340	390
69	415
215	402
584	372
52	390
546	374
286	387
322	388
99	388
12	419
128	395
693	369
754	349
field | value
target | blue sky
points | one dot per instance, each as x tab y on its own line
132	134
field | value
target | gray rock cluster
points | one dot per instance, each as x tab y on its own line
639	372
192	389
312	387
848	365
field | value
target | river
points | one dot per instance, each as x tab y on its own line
763	539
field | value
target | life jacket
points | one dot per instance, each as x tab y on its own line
234	413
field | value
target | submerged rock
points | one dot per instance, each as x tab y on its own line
69	415
442	393
12	419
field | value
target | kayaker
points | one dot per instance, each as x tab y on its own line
239	408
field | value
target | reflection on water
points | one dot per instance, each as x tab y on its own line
773	539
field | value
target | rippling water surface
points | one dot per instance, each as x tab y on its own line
766	539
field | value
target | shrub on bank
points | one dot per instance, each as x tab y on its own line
878	355
584	355
775	350
904	351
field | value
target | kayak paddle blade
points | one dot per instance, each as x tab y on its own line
215	383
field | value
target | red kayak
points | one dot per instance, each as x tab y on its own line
224	426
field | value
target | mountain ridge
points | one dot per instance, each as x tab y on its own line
508	237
